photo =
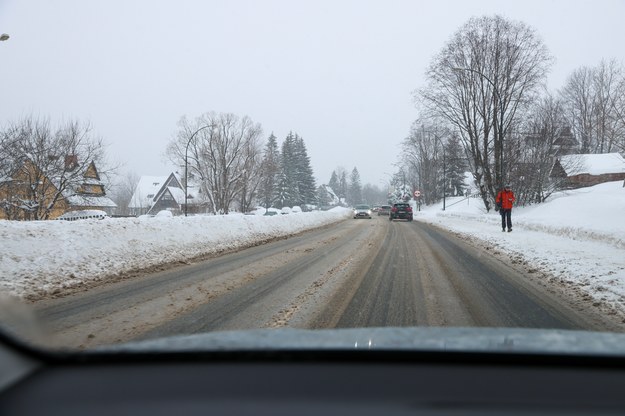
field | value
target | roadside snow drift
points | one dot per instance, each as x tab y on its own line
44	257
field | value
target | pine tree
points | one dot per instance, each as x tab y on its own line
270	171
334	182
342	191
355	188
289	191
283	196
455	167
307	190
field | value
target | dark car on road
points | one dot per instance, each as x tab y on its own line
401	211
384	210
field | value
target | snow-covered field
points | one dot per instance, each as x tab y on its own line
577	237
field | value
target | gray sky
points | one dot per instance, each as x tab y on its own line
339	73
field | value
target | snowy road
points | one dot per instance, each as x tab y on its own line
424	276
271	285
354	273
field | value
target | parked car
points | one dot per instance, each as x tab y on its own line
401	211
362	211
83	215
384	210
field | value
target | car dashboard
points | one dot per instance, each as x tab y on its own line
308	382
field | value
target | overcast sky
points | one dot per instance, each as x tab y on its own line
339	73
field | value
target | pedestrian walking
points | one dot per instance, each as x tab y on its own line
505	199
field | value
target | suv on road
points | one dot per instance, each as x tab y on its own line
402	211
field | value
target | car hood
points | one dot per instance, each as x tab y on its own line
503	340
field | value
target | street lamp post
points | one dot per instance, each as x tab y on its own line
499	124
186	179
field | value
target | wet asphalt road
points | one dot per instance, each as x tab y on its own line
358	273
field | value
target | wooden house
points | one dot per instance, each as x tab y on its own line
578	171
29	193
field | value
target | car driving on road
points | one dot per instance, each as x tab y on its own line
402	211
384	210
362	211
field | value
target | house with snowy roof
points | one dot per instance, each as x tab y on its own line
578	171
89	194
158	193
30	193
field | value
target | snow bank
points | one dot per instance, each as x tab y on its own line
43	257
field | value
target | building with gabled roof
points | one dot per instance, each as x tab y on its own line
584	170
152	194
90	194
29	193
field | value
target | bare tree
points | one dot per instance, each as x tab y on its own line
595	103
422	154
534	148
480	80
42	166
223	154
123	190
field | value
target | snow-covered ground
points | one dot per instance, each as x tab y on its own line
578	237
42	258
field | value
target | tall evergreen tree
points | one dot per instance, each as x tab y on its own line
289	191
283	196
334	182
355	188
455	167
305	180
342	191
270	172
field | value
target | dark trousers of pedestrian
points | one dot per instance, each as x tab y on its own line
506	218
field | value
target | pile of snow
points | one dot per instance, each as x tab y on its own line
578	236
45	257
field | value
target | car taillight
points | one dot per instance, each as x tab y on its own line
409	209
394	209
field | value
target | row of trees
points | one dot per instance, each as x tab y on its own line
41	165
349	190
225	158
484	108
287	176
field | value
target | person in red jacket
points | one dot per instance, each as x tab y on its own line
504	200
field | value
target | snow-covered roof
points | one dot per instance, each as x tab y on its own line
335	199
146	190
592	164
177	194
91	201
